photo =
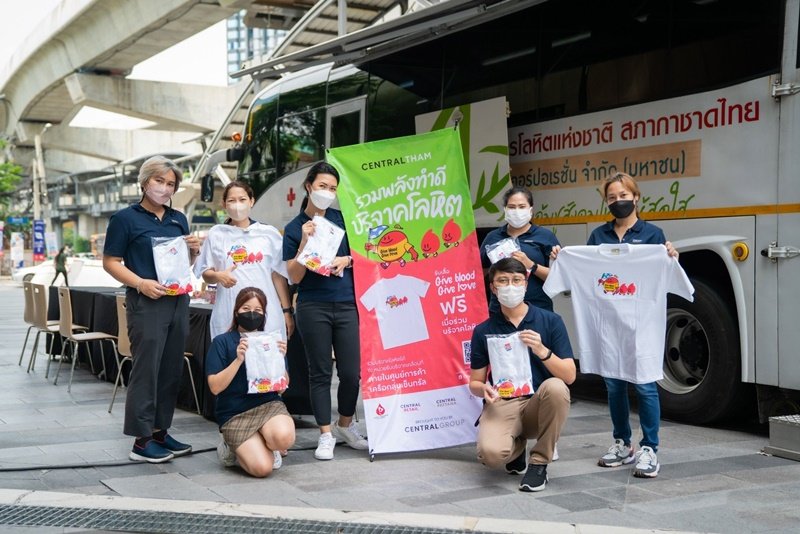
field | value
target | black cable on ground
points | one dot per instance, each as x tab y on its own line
111	464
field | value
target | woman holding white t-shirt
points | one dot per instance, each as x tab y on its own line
242	253
622	193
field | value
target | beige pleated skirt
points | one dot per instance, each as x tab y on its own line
242	427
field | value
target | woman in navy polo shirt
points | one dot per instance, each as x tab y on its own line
535	244
326	315
254	426
622	193
157	324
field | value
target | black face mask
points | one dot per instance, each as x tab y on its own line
621	208
251	321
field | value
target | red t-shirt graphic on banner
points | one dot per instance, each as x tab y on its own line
398	307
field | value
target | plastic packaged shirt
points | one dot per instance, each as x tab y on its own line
321	248
265	364
171	257
511	365
502	249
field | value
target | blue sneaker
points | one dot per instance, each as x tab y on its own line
174	446
152	453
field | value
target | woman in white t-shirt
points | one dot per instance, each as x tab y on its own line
242	253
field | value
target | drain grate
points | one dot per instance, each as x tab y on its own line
174	522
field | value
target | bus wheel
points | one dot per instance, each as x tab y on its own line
702	366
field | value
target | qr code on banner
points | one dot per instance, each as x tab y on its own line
466	350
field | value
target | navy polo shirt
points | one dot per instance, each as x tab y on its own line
536	243
548	324
315	287
129	232
641	233
234	399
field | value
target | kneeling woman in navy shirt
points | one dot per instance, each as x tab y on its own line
254	426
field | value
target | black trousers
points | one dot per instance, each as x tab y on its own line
157	330
326	325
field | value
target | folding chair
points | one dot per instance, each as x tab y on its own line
66	331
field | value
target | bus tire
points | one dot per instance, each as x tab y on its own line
702	364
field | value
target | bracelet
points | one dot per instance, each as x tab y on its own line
139	286
549	355
349	262
289	309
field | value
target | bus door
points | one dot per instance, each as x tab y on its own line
784	250
344	123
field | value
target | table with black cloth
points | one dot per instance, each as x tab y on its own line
96	308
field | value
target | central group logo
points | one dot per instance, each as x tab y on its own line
611	285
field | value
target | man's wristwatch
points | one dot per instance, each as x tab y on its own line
289	310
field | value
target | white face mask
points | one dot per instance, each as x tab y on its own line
322	198
238	211
517	218
511	296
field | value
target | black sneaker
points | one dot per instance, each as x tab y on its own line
535	479
518	465
174	446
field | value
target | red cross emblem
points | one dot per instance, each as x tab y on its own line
291	196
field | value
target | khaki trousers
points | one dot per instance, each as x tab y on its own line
507	425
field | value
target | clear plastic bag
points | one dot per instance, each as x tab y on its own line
321	248
502	249
171	257
265	364
511	365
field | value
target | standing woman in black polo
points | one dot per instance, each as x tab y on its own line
157	324
326	315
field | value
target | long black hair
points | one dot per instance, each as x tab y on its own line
323	167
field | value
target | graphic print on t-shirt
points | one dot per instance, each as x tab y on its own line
398	308
239	255
611	284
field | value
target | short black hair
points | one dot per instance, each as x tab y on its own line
516	190
507	265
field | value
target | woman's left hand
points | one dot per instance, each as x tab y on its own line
522	257
193	242
282	346
289	320
339	264
671	250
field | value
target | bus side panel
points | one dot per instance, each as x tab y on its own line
734	280
766	332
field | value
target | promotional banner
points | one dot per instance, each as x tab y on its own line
51	242
38	240
419	287
17	250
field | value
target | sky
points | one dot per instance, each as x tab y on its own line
201	59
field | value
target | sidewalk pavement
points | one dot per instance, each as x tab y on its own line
712	480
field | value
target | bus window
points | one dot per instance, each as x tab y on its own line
300	140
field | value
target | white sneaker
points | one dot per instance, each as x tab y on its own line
647	465
555	453
325	447
226	456
277	461
350	435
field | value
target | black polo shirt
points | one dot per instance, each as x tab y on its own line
129	234
536	243
548	324
641	233
315	287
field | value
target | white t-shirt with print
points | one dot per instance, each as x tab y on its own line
619	299
398	307
256	251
